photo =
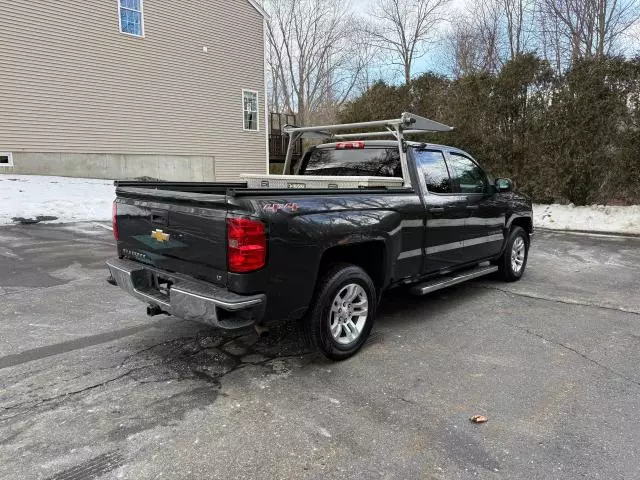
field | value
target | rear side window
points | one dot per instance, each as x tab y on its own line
432	167
372	162
469	176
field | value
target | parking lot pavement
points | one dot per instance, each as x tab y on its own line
92	388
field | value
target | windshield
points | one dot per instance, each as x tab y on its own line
371	162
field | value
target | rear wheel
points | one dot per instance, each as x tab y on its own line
513	261
341	316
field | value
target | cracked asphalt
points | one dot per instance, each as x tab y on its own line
91	388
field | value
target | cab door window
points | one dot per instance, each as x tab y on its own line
467	175
433	170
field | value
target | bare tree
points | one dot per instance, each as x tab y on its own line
550	35
475	39
372	62
519	24
588	28
403	29
314	62
464	54
486	20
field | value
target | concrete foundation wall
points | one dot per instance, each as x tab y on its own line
181	168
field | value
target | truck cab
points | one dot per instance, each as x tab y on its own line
464	209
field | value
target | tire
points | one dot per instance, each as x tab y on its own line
513	261
334	327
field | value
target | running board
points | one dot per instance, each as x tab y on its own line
452	279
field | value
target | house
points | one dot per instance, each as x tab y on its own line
133	88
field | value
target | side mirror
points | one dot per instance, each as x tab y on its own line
504	185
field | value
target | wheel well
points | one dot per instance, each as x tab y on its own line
370	256
525	222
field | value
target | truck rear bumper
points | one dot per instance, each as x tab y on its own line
187	298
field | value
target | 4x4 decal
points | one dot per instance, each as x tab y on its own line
277	207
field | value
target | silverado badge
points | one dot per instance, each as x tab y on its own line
160	236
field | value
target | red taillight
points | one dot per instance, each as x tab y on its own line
114	221
246	245
349	145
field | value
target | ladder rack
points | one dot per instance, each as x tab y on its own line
407	124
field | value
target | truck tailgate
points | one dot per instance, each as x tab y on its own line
162	229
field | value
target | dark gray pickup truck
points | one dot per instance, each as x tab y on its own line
234	256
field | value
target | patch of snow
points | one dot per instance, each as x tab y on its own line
594	218
67	199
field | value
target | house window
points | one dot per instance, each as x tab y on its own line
131	21
6	160
250	105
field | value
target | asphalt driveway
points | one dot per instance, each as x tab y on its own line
92	388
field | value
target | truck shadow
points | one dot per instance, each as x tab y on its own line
207	355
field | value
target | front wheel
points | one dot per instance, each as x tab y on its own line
341	316
513	261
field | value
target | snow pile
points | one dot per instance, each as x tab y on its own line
594	218
60	199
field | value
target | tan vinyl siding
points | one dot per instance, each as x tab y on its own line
71	82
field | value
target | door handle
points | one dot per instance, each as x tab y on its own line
436	210
472	207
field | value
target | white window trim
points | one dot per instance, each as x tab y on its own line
141	21
257	111
10	155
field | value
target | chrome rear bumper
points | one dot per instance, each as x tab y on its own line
188	298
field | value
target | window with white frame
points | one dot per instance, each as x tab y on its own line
6	159
131	21
250	103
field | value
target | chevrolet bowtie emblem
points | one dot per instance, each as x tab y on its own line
160	236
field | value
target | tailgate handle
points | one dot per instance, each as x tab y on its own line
160	217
